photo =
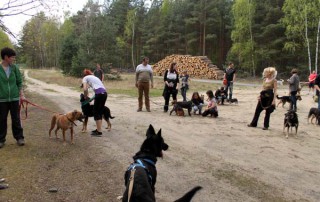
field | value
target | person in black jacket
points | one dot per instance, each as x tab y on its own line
197	102
221	95
171	80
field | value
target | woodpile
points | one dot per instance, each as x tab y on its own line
196	66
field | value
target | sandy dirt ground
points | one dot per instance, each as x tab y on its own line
229	160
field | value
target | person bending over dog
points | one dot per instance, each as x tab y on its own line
212	108
293	88
266	100
171	80
197	102
221	95
100	98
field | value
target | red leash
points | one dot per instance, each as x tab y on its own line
22	101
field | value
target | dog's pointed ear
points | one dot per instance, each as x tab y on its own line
159	133
150	131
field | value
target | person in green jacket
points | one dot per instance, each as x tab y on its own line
10	94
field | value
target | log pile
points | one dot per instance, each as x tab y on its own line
196	66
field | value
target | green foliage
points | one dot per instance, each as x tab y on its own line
4	40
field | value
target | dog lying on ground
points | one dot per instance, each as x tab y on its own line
87	110
140	177
314	114
290	121
285	99
65	122
181	105
233	100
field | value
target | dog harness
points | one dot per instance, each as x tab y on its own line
132	168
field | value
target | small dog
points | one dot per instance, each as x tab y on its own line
180	111
181	105
280	82
290	121
140	177
233	100
285	99
314	114
87	110
65	122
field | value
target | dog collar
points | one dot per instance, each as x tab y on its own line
139	163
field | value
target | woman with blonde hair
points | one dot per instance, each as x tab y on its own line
266	100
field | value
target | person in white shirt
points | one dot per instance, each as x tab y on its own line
144	75
100	98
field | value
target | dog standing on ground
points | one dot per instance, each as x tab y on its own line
314	114
140	177
285	99
290	121
233	100
181	105
65	122
87	110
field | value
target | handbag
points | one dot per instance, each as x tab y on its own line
225	82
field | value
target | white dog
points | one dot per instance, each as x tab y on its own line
280	82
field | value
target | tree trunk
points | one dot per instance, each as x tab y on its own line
307	40
317	48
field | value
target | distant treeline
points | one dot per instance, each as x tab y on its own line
253	34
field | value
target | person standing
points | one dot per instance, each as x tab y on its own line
171	80
230	76
144	75
312	78
184	84
98	72
317	87
266	100
294	84
100	98
11	93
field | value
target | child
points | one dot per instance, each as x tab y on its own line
184	84
212	105
197	102
221	95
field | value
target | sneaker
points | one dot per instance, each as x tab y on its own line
20	142
249	125
264	128
139	110
1	144
148	110
96	133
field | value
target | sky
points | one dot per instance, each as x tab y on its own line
15	23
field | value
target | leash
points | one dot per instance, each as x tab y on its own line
22	106
87	101
131	183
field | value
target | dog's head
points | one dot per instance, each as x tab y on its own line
180	112
154	143
76	115
299	97
291	117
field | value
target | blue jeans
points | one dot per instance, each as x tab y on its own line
230	87
293	97
184	93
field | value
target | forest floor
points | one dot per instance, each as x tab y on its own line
229	160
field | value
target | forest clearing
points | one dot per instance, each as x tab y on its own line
229	160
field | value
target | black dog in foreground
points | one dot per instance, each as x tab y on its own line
184	105
285	99
87	110
140	177
290	121
314	113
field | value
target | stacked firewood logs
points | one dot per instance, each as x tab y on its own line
196	66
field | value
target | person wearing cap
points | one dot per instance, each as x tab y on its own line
294	83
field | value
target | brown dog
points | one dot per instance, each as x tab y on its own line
65	122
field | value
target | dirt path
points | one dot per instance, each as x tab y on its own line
231	161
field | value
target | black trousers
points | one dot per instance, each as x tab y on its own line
293	97
166	94
263	104
17	130
99	102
